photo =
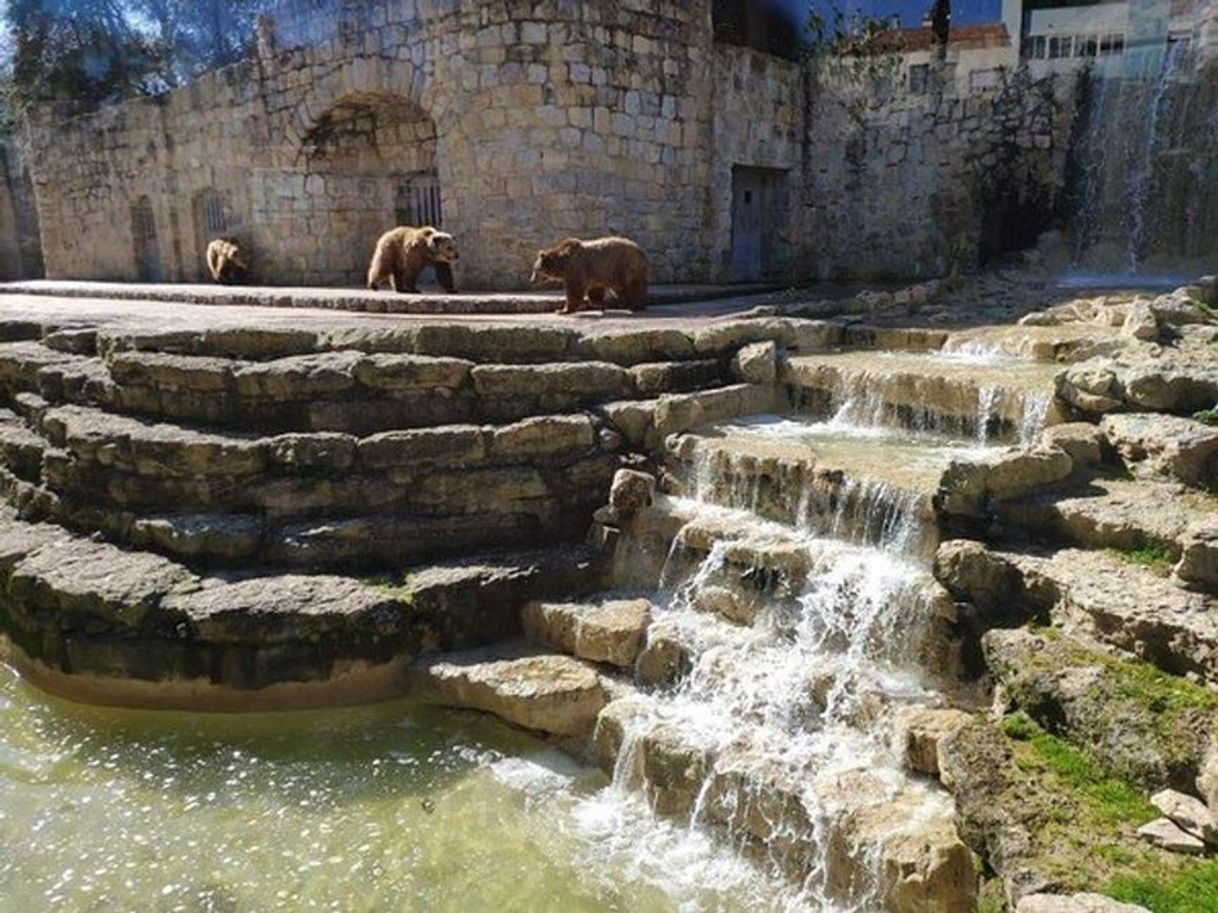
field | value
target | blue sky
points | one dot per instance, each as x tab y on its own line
911	11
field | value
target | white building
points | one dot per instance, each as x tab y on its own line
1117	37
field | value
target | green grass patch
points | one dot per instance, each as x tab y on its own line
1108	800
398	587
1207	416
1192	891
1155	558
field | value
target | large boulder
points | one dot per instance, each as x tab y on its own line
1177	447
1075	903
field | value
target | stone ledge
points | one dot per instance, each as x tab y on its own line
89	612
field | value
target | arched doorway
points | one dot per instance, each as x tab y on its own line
370	164
146	250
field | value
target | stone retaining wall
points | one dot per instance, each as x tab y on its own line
540	121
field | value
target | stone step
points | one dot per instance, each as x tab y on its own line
1096	595
546	692
71	332
344	391
839	834
610	630
987	399
1128	515
874	488
1165	446
100	623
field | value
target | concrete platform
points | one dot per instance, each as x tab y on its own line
351	299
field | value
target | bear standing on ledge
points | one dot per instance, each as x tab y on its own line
590	267
227	260
401	253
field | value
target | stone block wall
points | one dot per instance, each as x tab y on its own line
539	121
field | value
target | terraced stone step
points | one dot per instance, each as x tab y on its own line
70	333
1129	515
1094	594
868	486
833	831
97	622
546	692
607	630
1006	399
343	391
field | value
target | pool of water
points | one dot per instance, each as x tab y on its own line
394	807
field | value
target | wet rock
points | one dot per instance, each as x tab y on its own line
1150	730
1178	447
1187	812
1075	903
1092	387
633	419
1165	834
545	692
631	492
756	363
972	573
685	411
1198	564
622	715
968	488
1083	441
924	729
665	657
609	631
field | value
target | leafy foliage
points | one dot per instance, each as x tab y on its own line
92	51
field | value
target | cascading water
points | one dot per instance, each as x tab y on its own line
783	709
1146	172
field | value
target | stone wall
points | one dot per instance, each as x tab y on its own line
20	250
537	121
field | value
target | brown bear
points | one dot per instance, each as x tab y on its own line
403	252
227	260
590	267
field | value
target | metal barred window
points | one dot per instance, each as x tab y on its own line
418	201
213	213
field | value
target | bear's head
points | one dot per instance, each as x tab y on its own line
443	247
551	263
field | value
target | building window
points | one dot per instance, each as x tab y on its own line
418	201
1035	47
1061	46
212	210
919	76
1085	45
1112	45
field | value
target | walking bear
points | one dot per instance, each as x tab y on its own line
227	260
588	268
403	252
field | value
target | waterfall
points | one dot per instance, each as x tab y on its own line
1146	170
1138	187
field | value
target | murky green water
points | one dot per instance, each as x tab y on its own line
388	808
